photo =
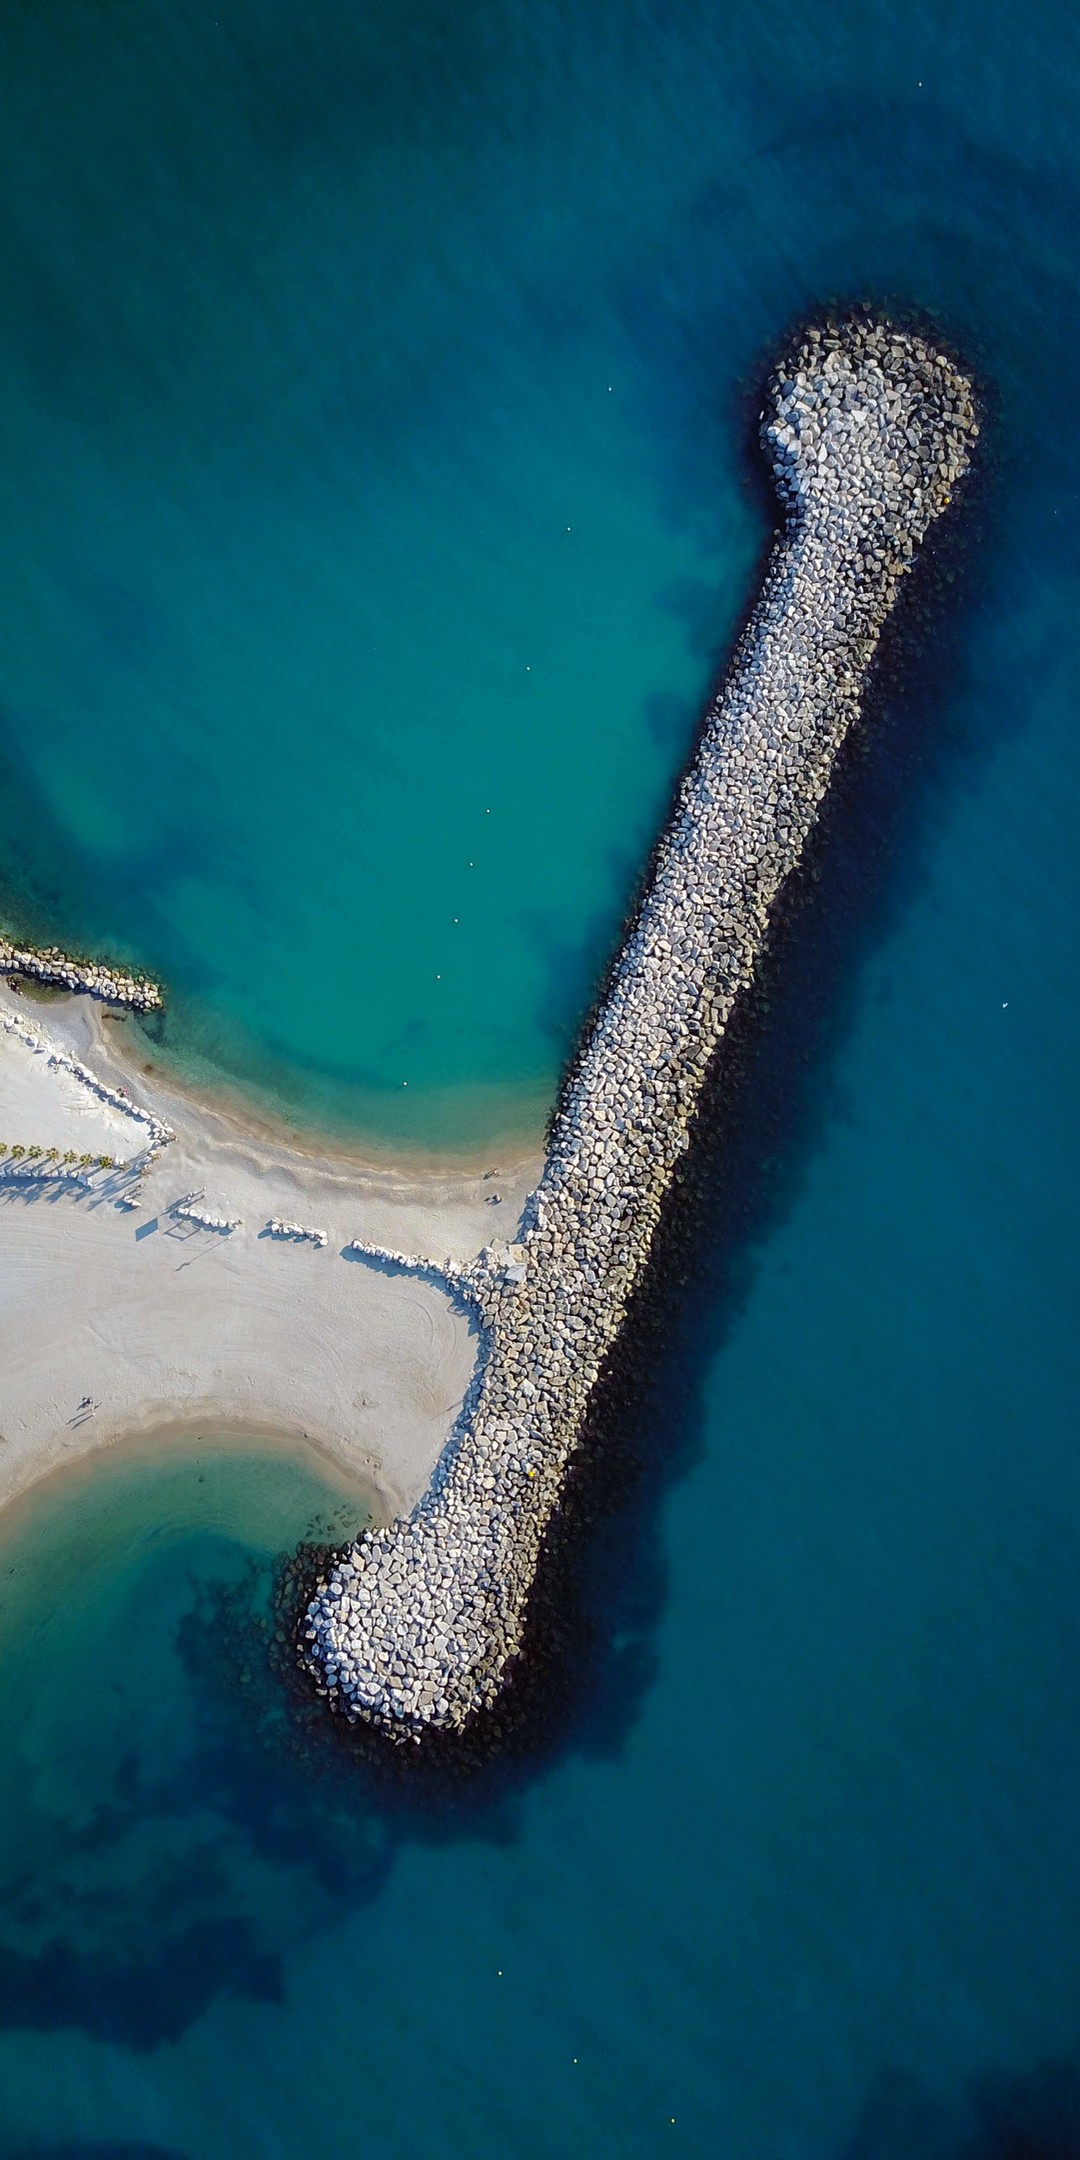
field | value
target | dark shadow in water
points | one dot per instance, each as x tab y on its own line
570	965
140	2000
717	282
188	1885
670	721
1033	2115
91	2149
39	900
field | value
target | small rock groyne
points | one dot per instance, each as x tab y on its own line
298	1233
184	1210
153	1133
49	965
418	1624
493	1261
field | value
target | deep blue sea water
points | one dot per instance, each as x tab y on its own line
320	327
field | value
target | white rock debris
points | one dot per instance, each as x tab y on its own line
47	964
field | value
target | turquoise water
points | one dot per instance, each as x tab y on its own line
346	579
309	322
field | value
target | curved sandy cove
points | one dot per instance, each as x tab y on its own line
157	1321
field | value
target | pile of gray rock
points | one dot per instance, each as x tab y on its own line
223	1225
48	964
418	1624
298	1233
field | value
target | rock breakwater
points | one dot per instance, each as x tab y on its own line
417	1626
47	964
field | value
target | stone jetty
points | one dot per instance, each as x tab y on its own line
153	1133
47	964
417	1626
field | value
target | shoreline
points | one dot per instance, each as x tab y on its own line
119	992
111	1297
56	1487
365	1150
252	1109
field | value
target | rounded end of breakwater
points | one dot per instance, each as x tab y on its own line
873	422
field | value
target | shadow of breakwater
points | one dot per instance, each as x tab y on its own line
92	2149
1001	2115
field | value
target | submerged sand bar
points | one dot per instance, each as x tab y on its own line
418	1624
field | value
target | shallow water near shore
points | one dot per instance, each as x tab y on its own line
102	1568
319	330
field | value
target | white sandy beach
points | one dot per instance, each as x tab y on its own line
161	1323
